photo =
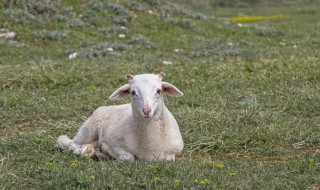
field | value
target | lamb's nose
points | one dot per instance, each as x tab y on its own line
146	111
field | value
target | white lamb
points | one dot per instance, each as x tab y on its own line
144	129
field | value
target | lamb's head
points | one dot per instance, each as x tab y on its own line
146	91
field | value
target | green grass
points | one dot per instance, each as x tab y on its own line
249	117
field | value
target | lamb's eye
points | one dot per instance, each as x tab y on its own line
158	91
133	93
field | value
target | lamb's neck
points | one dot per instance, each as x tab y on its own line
153	124
151	132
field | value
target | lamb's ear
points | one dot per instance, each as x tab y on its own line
130	77
161	75
122	92
171	90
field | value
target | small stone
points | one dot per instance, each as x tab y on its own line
122	36
8	35
73	55
178	50
167	62
110	49
282	43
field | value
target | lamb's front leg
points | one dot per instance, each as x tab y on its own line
170	157
117	152
162	157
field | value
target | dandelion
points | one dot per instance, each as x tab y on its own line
176	182
232	173
92	177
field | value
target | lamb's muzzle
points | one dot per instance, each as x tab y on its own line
146	111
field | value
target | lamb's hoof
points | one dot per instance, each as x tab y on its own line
100	155
88	151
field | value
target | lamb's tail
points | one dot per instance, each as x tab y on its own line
64	142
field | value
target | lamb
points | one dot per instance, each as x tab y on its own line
144	129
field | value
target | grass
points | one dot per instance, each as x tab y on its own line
249	117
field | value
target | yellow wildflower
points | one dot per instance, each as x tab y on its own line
92	88
74	163
257	18
176	182
220	166
311	161
232	173
156	179
205	182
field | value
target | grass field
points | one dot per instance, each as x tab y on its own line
249	116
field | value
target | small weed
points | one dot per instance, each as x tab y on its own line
139	39
135	6
76	23
184	23
154	2
92	18
13	43
217	48
54	35
122	15
97	6
20	15
115	31
100	50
